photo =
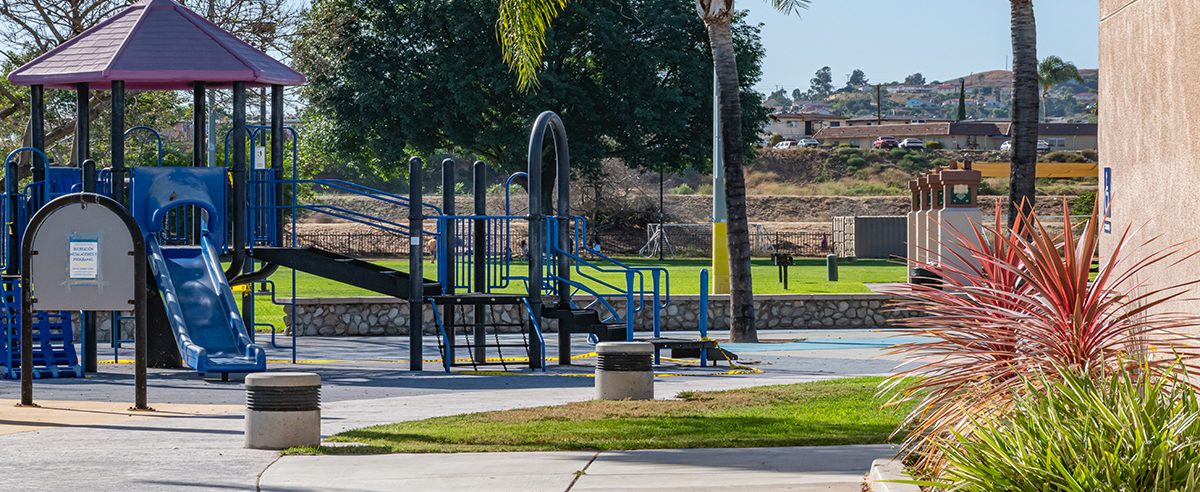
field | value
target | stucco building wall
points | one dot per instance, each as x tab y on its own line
1150	125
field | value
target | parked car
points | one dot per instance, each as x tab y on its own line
808	142
787	144
1042	146
912	143
886	142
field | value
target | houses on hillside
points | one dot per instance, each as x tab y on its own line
965	135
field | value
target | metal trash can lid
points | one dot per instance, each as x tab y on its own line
625	348
282	380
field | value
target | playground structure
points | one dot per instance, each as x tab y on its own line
214	233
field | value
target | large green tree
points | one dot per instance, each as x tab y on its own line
523	32
1024	133
821	85
857	79
391	78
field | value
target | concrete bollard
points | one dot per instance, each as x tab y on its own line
283	409
624	372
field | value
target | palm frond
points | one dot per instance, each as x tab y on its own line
789	7
521	31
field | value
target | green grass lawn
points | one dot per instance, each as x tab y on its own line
836	412
807	276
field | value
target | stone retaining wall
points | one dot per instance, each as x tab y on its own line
386	316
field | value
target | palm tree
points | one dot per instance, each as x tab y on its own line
522	32
1054	71
1024	133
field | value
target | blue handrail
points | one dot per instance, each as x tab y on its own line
596	295
537	330
447	358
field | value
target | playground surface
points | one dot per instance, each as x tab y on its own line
198	444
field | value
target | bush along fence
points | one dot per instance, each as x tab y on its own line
383	316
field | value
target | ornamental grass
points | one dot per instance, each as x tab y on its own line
1026	307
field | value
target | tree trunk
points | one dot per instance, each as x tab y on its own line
1024	131
741	293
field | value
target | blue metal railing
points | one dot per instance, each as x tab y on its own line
635	288
497	253
261	202
537	330
447	358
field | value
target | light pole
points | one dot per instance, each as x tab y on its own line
720	245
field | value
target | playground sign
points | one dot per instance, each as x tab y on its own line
82	258
84	252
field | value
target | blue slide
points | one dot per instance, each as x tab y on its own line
200	306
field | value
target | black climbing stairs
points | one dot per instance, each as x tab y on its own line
479	319
344	269
578	320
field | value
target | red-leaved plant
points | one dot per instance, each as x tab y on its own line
1022	308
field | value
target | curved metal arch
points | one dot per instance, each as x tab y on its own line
157	139
13	154
537	219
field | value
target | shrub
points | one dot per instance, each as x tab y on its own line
774	139
933	145
1025	306
847	152
704	189
1061	156
993	186
872	189
913	162
1090	155
898	153
1080	433
683	189
1083	203
856	162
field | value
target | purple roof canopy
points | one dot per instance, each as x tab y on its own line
154	45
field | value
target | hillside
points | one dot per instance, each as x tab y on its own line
1002	79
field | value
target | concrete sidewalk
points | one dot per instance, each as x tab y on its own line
832	468
82	440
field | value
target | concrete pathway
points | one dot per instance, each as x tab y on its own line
833	468
86	442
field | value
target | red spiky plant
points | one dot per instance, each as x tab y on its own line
1025	305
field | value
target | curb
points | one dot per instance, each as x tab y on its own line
883	474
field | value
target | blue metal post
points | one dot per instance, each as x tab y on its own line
629	308
11	265
657	315
703	317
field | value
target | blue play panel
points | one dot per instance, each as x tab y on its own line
826	344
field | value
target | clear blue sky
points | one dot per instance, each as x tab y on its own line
888	40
